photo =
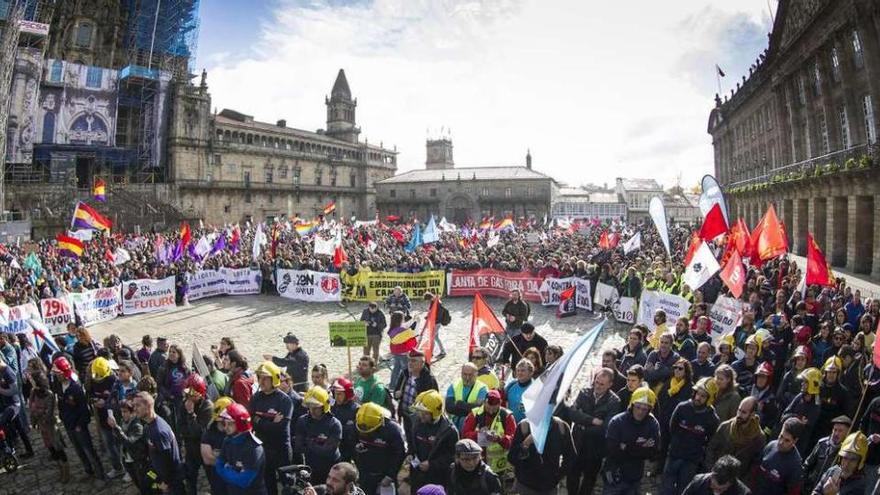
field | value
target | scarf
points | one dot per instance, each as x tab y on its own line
675	385
740	435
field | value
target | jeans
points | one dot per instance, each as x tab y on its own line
85	450
676	475
113	448
400	362
438	341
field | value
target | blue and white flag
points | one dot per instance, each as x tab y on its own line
416	239
542	397
430	233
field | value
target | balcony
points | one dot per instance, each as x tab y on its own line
266	186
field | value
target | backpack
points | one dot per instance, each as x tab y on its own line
445	317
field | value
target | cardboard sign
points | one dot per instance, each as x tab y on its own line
348	333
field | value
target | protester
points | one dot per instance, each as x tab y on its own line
469	475
296	361
432	441
241	463
318	434
632	437
380	448
375	319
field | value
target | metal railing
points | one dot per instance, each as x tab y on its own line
810	165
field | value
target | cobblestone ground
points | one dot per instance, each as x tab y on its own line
257	324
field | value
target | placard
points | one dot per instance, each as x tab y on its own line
205	283
96	305
625	310
674	306
582	296
348	333
242	281
147	295
15	319
307	285
490	282
57	313
725	315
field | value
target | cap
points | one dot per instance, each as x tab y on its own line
468	446
842	420
493	397
415	353
291	339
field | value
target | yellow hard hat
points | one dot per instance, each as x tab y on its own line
370	417
834	363
317	397
429	401
728	340
757	340
707	385
813	378
100	369
268	368
643	395
220	405
856	443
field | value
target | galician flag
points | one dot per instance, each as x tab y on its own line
633	244
701	268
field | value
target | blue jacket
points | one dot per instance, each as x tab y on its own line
241	464
318	440
263	408
625	450
690	430
514	392
72	406
779	473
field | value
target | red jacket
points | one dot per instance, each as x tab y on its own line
242	389
473	423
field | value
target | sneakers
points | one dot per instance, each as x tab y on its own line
113	474
126	478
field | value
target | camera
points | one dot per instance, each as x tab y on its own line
294	478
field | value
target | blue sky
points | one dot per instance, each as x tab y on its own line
595	90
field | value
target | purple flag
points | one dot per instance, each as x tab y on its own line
191	251
178	251
219	245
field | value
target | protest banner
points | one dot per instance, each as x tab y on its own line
96	305
606	295
57	313
674	306
147	295
490	282
376	286
242	281
725	315
582	297
552	288
624	310
205	283
306	285
15	319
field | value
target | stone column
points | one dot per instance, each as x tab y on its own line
818	213
836	230
862	227
798	228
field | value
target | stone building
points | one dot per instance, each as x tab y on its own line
579	202
637	194
800	131
465	193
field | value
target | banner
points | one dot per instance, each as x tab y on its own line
625	310
552	288
652	300
147	295
306	285
582	298
96	305
606	295
241	281
205	283
725	315
489	282
15	319
57	313
348	333
375	286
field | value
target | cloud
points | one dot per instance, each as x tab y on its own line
594	90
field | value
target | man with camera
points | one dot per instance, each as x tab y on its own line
341	480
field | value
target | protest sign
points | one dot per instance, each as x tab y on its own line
552	288
348	333
242	281
606	295
205	283
306	285
583	299
15	319
96	305
376	286
57	313
674	306
625	310
725	315
147	295
490	282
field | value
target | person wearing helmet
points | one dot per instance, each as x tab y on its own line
834	398
692	425
469	475
740	437
242	459
103	379
791	385
848	476
493	428
805	406
166	466
296	361
825	451
318	434
73	409
466	394
431	441
726	351
212	443
589	416
380	450
197	412
633	436
746	366
870	425
762	390
780	470
272	410
345	410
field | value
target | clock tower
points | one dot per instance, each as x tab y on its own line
439	154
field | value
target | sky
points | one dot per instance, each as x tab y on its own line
596	90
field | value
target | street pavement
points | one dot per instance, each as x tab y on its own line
257	324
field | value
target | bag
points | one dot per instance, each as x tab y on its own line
445	317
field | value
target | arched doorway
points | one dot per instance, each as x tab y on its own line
459	209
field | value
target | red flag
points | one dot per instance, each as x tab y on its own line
398	236
818	270
739	238
605	241
768	239
714	224
276	235
483	322
734	274
567	305
339	256
692	249
108	255
185	234
426	344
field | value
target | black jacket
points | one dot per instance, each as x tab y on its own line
481	481
517	345
589	439
375	321
194	425
543	472
297	364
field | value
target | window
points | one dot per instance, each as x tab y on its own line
282	172
530	191
247	178
93	77
297	174
817	79
217	159
352	180
868	109
823	132
319	176
269	172
226	208
835	64
484	191
844	128
83	35
332	179
858	56
412	193
57	71
392	193
433	193
802	90
271	198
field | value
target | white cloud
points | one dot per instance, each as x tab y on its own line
596	90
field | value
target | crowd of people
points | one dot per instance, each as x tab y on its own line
788	403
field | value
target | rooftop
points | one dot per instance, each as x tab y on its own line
467	173
640	184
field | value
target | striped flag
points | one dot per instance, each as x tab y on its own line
86	217
330	208
69	246
99	190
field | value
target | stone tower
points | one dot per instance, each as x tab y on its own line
341	111
439	154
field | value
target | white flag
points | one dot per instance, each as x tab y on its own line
121	256
633	244
493	240
324	246
259	242
203	247
701	268
658	214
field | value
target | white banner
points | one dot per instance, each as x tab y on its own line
147	295
83	235
57	313
582	294
306	285
625	310
205	283
242	281
325	246
551	288
652	300
96	305
606	295
15	319
725	314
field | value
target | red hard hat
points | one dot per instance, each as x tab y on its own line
765	369
802	335
196	385
343	384
63	365
239	414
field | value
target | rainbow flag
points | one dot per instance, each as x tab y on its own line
486	224
69	246
306	228
86	217
330	208
505	224
99	191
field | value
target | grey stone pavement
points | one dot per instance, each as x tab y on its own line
257	324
